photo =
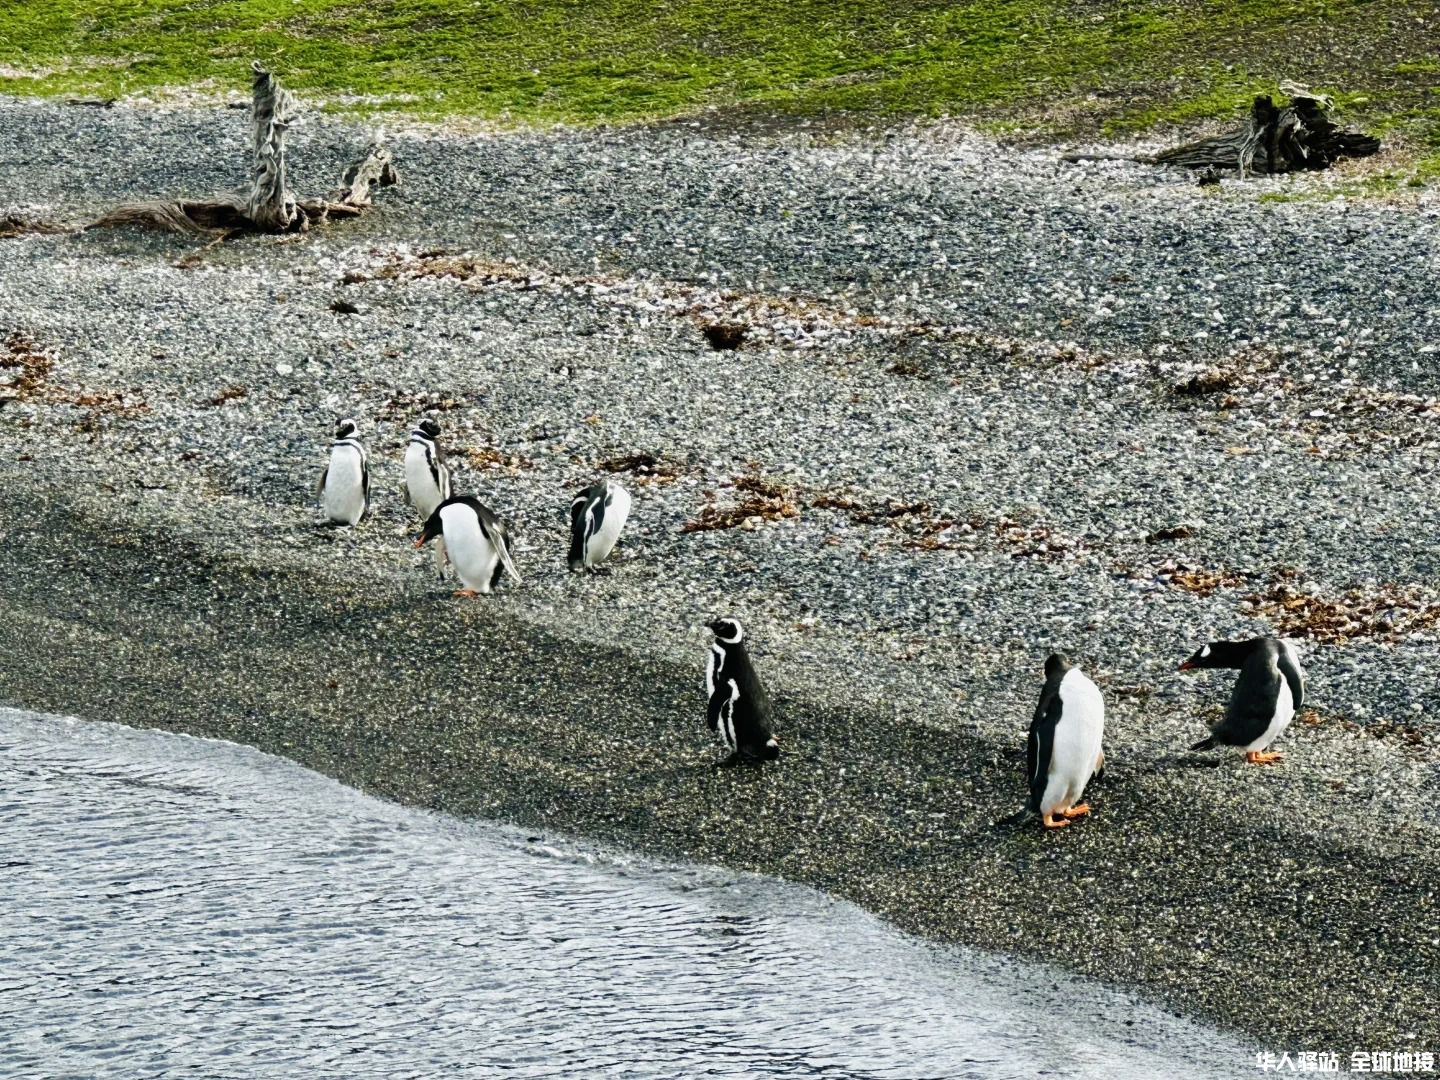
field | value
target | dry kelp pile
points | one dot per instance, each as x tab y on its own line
1381	612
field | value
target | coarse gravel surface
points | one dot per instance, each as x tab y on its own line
974	385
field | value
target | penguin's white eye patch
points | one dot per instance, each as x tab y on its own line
1204	652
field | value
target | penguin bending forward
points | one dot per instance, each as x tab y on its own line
427	479
1064	748
1267	695
739	709
476	540
597	515
345	483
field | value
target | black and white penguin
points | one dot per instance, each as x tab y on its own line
738	709
427	479
1064	749
345	483
597	515
476	540
1267	695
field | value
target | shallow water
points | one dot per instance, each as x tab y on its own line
174	906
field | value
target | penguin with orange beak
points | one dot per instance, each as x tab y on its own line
1064	747
1266	697
475	539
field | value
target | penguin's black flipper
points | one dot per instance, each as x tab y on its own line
364	487
1205	744
1040	743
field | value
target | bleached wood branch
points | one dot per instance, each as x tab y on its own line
270	205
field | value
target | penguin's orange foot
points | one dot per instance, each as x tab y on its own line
1076	811
1050	822
1263	757
468	594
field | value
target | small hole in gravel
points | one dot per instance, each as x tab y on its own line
723	336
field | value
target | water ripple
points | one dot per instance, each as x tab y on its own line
178	907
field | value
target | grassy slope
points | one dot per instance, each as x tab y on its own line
1106	66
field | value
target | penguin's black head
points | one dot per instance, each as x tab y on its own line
345	428
433	526
727	630
1220	654
429	428
1056	665
770	750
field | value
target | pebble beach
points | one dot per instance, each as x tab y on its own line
984	406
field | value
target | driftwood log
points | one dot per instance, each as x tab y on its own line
270	205
13	224
1297	137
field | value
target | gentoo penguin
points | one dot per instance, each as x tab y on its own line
739	709
597	515
1267	695
427	480
345	483
1064	748
476	540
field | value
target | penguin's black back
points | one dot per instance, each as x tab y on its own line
1267	665
590	504
1041	743
752	708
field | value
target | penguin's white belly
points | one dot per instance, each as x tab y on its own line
344	498
471	554
1077	742
1284	713
425	494
603	542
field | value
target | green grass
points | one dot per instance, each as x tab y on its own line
1022	64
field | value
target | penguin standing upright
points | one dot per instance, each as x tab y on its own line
345	483
738	709
477	542
597	515
427	479
1064	749
1267	695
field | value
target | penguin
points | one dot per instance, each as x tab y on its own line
1064	748
597	515
1267	695
739	709
345	483
476	540
427	479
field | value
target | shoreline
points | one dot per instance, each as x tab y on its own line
265	831
951	482
891	816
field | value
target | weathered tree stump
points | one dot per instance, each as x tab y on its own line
270	205
1298	137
